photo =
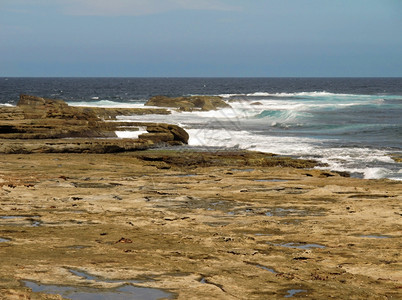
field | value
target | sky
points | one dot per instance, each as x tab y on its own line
201	38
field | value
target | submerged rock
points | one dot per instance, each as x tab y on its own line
204	103
397	157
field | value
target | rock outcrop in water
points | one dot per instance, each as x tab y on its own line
397	157
43	125
203	103
37	107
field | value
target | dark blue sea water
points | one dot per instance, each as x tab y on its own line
353	124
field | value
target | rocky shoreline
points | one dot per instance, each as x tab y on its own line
48	125
185	223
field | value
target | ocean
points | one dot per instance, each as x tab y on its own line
351	124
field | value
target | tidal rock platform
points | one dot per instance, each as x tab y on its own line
194	225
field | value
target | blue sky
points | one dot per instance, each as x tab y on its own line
262	38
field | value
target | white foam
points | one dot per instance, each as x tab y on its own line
247	140
395	178
107	103
229	95
294	105
225	113
130	134
379	101
376	173
350	160
364	161
300	94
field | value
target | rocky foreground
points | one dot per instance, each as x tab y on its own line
187	224
196	225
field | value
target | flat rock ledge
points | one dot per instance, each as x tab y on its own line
48	125
194	225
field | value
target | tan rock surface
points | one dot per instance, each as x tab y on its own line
200	225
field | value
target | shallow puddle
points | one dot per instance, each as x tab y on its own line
291	221
242	170
36	223
284	212
278	212
93	185
262	267
374	236
235	208
17	217
266	269
210	205
123	292
203	280
20	220
270	180
4	240
292	292
78	247
299	245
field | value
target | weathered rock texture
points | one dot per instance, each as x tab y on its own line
204	103
29	127
232	226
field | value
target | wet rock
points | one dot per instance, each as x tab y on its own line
112	113
236	158
157	136
179	134
397	157
204	103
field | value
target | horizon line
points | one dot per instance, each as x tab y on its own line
195	77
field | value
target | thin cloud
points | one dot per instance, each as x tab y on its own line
140	7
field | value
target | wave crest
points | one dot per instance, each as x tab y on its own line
297	94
